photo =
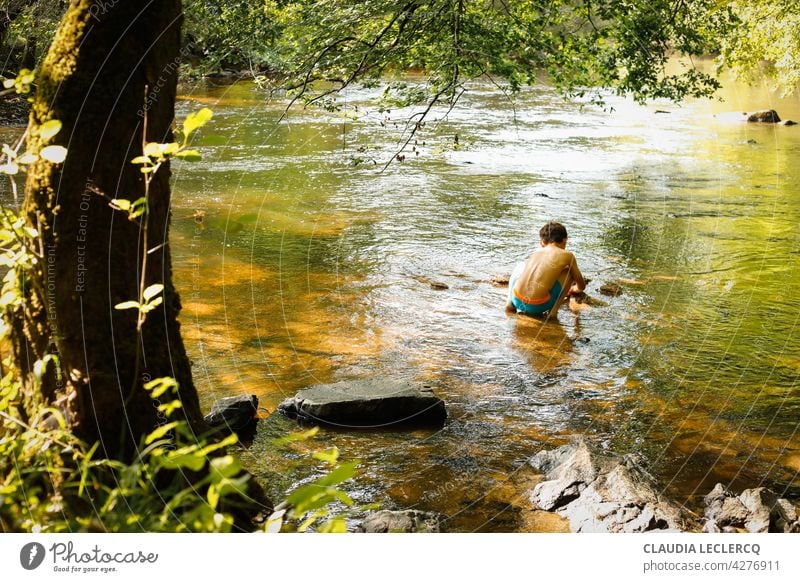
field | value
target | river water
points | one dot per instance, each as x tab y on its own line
312	265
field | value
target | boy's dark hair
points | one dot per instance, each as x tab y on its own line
553	232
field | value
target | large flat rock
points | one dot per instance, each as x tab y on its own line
367	404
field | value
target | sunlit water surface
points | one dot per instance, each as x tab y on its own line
310	268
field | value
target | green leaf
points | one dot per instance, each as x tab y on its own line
160	432
8	298
191	460
297	436
54	154
330	456
159	386
169	149
226	466
275	521
27	158
335	525
127	305
196	120
121	204
49	128
152	291
10	168
169	407
152	150
140	160
341	473
189	155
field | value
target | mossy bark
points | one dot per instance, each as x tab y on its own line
109	61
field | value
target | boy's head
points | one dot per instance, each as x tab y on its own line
553	232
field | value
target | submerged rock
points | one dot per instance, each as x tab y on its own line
235	413
367	403
582	298
756	510
610	289
438	285
500	280
603	494
408	521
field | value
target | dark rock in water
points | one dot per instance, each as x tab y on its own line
236	413
500	280
585	299
611	289
602	494
438	285
408	521
764	116
788	122
367	403
756	510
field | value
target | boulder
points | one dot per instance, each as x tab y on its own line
235	413
756	510
723	509
788	122
763	116
408	521
367	403
597	493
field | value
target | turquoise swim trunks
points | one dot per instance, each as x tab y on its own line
532	308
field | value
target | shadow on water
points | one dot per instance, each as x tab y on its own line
308	269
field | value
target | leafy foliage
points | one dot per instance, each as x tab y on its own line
233	33
53	482
579	45
765	42
309	505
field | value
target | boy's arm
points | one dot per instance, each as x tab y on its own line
576	274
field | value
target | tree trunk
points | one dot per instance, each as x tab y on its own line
105	57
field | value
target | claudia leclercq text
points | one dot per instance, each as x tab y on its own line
721	566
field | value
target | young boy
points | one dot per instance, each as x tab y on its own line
545	281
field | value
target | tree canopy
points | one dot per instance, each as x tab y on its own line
580	46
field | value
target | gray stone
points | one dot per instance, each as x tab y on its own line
366	403
233	412
597	493
408	521
724	508
764	116
756	510
759	503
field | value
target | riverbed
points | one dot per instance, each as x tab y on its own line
300	260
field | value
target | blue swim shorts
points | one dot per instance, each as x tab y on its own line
533	308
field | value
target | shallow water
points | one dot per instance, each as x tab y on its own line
309	269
